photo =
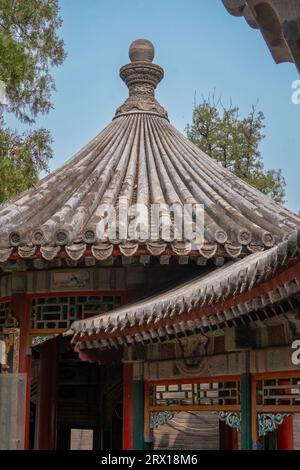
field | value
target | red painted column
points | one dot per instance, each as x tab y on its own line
228	437
127	406
20	306
49	356
285	434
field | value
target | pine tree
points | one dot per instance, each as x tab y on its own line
29	47
234	142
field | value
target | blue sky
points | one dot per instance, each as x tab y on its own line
201	48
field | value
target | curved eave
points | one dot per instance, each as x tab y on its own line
103	251
256	283
278	23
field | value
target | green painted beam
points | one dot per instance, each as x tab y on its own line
138	398
246	437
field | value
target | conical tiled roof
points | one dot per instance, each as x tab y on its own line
140	158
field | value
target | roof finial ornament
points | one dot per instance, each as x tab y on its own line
141	76
141	50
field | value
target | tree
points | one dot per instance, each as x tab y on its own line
21	159
29	48
234	142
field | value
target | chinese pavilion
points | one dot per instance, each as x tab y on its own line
110	341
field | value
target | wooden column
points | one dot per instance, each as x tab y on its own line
246	437
228	437
270	441
127	406
138	414
49	356
20	306
285	434
133	409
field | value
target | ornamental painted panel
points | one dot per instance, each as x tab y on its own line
40	339
233	419
67	280
160	418
75	279
269	422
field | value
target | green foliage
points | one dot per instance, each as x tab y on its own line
234	142
21	159
29	48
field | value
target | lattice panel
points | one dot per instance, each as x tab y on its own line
278	391
60	312
4	311
195	394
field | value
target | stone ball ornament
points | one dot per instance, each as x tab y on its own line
141	50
